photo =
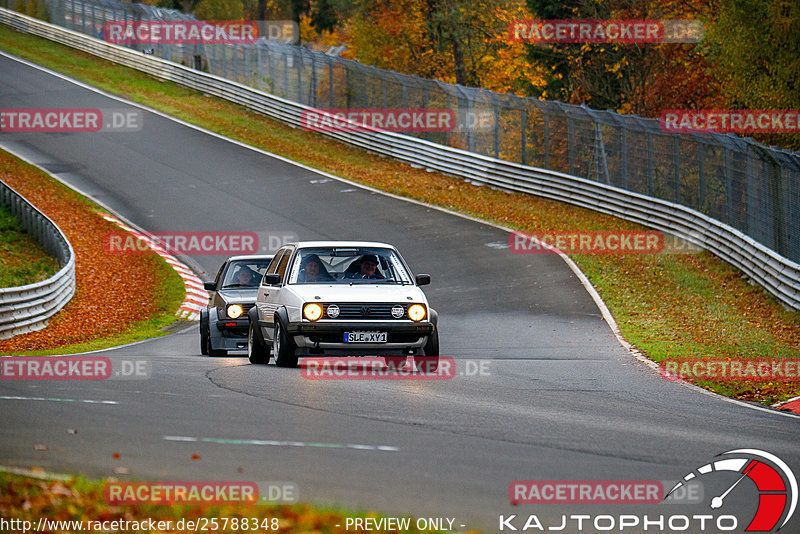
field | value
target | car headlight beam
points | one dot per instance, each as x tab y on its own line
234	311
312	311
416	312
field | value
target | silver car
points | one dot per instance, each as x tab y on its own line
342	298
224	322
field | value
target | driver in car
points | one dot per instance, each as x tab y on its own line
246	277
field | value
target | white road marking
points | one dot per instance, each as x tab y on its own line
273	443
53	399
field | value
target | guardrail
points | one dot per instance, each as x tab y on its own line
777	274
29	307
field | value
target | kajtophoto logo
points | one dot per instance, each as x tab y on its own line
774	480
772	493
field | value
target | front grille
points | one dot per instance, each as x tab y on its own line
366	310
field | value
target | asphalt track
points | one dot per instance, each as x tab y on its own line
562	400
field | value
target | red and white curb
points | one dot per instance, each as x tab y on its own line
196	296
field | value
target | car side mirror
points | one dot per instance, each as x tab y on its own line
423	279
272	279
210	286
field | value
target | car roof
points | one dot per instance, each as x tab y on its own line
372	244
252	257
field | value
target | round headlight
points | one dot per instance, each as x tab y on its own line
333	311
416	312
398	311
312	311
235	311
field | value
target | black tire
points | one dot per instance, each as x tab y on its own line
203	339
395	362
282	347
429	362
257	352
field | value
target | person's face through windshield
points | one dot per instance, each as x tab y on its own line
368	268
312	270
244	277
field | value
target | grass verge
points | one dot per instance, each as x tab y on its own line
668	306
80	499
101	314
22	261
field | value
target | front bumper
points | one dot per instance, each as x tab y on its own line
327	338
231	334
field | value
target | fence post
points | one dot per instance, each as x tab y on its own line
546	139
676	163
523	144
649	164
330	83
496	128
571	144
702	176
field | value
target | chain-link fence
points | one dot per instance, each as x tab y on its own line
750	187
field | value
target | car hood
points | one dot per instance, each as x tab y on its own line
239	295
358	293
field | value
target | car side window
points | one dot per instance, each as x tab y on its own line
284	263
273	265
218	279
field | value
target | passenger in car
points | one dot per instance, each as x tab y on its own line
368	268
312	270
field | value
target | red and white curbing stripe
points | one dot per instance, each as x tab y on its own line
196	296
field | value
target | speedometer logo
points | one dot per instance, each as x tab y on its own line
776	484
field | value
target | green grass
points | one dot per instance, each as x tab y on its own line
668	306
22	261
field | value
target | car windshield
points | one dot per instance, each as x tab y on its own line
348	265
244	273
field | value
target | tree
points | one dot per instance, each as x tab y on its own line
219	10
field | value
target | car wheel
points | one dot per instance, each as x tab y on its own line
394	362
429	362
203	340
256	351
211	350
282	347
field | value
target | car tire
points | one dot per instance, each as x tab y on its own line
282	347
203	340
429	361
257	352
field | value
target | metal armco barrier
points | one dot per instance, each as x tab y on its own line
777	274
28	308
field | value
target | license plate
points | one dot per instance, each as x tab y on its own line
365	337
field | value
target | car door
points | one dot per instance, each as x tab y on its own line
269	296
217	300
